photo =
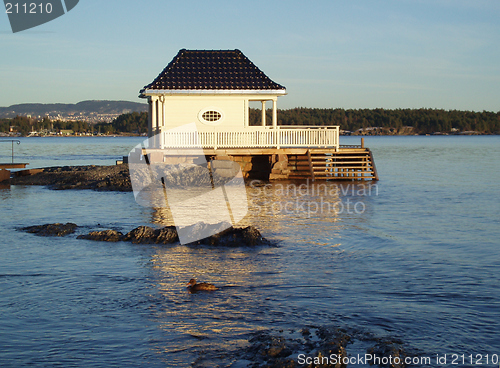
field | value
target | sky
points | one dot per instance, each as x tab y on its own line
355	54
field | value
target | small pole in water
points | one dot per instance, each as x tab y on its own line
12	142
18	143
362	143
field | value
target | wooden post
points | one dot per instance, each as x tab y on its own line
311	165
362	143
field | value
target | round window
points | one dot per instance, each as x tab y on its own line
210	116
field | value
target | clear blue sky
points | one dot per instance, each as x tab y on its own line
347	54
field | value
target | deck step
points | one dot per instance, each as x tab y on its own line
365	168
346	157
322	164
345	162
317	162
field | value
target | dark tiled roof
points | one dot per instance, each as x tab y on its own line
212	70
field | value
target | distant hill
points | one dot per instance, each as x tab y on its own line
83	108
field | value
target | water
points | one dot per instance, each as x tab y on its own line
414	257
60	151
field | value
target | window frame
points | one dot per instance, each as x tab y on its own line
210	109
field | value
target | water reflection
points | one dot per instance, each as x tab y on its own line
287	200
260	287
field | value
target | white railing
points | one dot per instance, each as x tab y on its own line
256	137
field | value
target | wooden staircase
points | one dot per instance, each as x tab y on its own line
353	163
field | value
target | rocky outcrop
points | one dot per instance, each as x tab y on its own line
148	235
51	229
231	237
228	237
117	177
318	347
236	237
102	178
104	235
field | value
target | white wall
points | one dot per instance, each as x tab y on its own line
180	110
185	110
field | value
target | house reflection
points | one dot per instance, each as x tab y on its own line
271	204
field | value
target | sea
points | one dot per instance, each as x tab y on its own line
413	258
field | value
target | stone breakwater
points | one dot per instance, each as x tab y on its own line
117	177
104	178
231	237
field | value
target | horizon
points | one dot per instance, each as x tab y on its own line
401	54
279	108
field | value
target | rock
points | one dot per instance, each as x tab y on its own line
200	230
148	235
117	177
166	235
141	234
237	237
225	235
108	178
28	172
51	229
104	235
323	346
231	237
392	348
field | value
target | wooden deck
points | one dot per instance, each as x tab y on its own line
13	166
5	173
345	163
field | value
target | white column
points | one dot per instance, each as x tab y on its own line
263	113
154	119
160	111
275	113
150	118
161	119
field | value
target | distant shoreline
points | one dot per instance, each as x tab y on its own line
71	136
461	134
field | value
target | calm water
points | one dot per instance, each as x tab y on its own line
415	257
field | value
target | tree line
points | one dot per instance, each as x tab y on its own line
134	123
421	121
24	125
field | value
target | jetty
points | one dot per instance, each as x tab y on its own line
199	109
5	167
345	162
